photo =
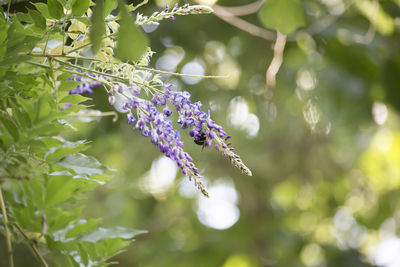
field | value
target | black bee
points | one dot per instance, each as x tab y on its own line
201	141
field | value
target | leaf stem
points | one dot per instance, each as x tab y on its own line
8	233
32	245
53	77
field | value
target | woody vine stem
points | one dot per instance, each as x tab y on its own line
7	230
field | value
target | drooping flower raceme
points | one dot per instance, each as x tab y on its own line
152	119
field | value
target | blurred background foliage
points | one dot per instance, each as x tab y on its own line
323	145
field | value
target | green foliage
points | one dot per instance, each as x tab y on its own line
282	15
56	10
131	42
79	7
38	19
43	9
98	26
43	175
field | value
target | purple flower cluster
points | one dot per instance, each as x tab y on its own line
156	125
202	128
86	86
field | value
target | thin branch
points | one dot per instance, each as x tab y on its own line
230	18
228	14
245	9
180	74
92	71
89	70
276	60
7	230
95	113
32	245
137	67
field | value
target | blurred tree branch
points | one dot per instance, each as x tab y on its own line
225	15
229	15
276	60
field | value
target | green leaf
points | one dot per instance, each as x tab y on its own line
109	6
80	7
59	189
131	41
282	15
10	126
38	19
3	33
60	218
27	107
82	227
57	153
82	164
98	28
44	108
21	118
5	136
18	42
74	99
68	85
115	232
42	7
84	255
56	10
24	17
3	40
16	34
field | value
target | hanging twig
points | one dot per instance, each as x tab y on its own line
7	230
276	60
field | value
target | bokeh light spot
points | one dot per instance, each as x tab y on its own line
220	210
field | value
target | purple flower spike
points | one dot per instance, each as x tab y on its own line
153	122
